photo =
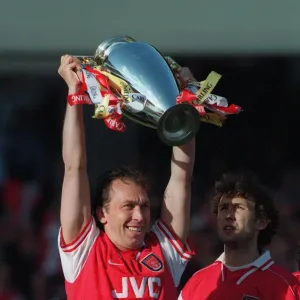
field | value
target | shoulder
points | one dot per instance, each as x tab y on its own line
281	275
205	272
198	279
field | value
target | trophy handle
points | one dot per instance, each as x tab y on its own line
172	63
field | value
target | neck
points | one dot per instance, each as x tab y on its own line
121	247
240	256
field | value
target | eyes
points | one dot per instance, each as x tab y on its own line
131	206
237	207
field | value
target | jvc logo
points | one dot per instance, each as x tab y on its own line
152	284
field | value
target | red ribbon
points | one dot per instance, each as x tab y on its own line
113	120
188	96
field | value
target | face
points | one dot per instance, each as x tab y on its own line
237	224
128	215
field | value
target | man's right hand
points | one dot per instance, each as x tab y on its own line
70	71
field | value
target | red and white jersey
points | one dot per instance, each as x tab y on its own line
95	269
259	280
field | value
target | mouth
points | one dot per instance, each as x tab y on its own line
229	228
135	229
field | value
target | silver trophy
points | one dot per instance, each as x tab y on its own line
153	85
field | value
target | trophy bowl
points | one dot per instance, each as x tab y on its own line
151	88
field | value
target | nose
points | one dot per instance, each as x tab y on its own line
230	213
138	214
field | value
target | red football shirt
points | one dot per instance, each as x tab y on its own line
95	269
261	279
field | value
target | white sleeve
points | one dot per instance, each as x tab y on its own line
175	252
74	255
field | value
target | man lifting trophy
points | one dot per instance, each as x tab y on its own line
128	257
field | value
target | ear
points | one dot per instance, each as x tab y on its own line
101	215
262	223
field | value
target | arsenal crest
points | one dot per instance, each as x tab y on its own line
247	297
152	262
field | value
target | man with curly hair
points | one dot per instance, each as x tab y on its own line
247	220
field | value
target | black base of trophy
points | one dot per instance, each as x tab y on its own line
178	125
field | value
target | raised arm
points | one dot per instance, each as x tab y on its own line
176	204
177	199
75	202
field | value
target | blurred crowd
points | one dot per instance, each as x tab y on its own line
262	139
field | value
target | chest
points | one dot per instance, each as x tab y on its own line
136	276
231	291
142	274
236	287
